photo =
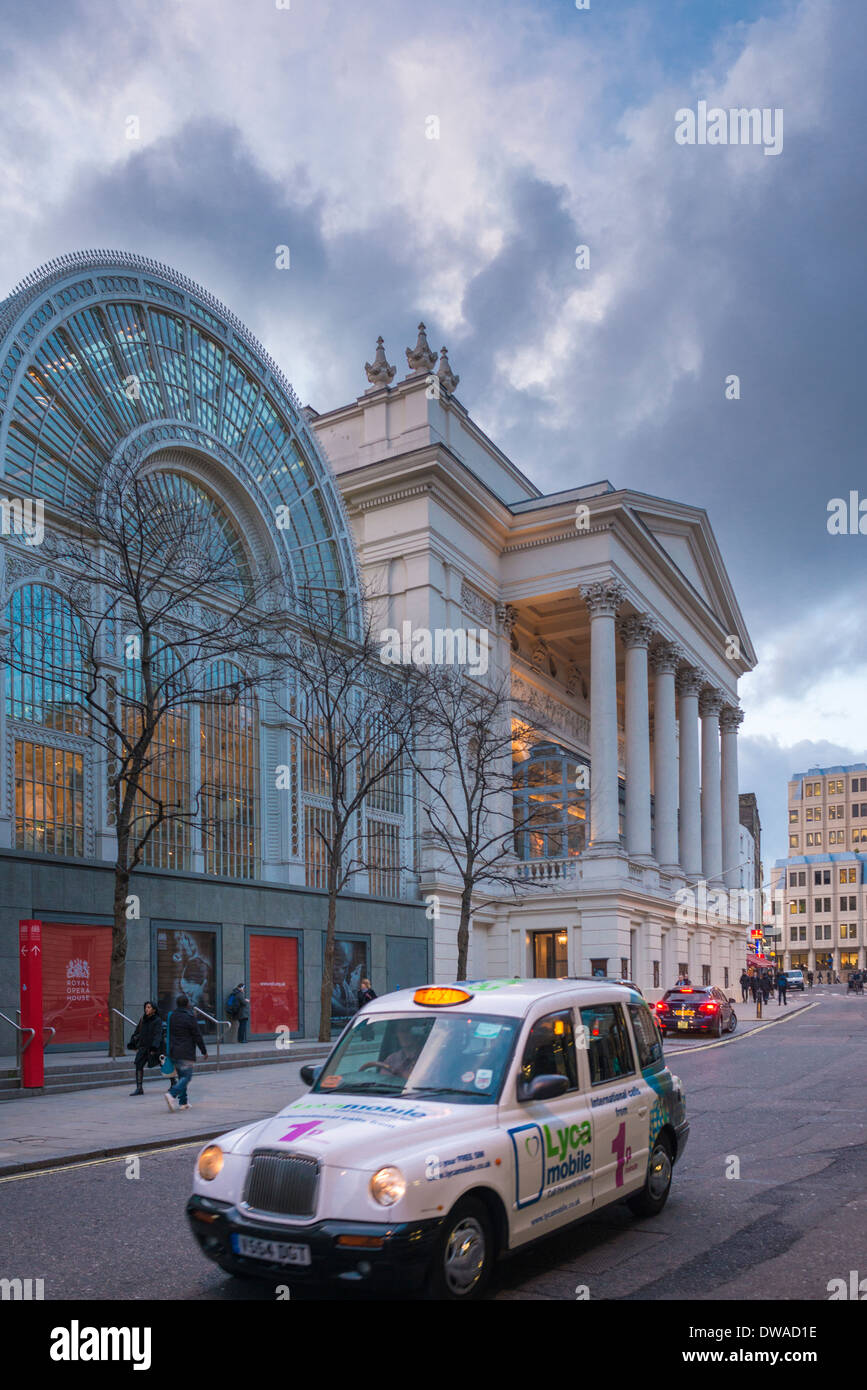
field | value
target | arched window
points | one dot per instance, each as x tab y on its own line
45	694
230	774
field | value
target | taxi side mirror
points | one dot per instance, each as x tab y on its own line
543	1087
309	1073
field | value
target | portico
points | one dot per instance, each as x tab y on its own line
614	615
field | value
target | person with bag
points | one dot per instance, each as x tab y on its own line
365	994
238	1010
182	1038
147	1039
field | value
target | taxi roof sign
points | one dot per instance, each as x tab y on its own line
436	996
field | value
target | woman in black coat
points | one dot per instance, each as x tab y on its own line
148	1040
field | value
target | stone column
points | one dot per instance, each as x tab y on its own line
603	599
665	660
710	704
730	721
636	634
689	682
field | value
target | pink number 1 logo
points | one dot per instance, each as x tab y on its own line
298	1130
621	1153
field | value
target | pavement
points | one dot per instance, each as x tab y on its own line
46	1131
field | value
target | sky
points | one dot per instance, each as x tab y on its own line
206	133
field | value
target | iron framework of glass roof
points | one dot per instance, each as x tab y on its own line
99	346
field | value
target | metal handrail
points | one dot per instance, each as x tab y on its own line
220	1023
19	1050
123	1015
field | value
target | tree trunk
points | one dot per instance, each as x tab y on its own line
464	931
117	973
328	948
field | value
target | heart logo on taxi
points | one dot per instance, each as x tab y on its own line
531	1144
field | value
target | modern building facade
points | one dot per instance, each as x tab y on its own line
107	357
822	883
609	611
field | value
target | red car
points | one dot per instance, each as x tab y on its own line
696	1009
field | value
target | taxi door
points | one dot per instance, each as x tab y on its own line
619	1100
550	1159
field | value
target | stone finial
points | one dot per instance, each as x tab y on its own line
448	379
420	358
379	371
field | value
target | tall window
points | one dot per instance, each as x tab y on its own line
550	811
318	822
44	695
383	858
164	785
230	775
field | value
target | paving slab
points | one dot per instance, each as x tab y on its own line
43	1131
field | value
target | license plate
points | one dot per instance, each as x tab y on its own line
682	1023
685	1013
277	1252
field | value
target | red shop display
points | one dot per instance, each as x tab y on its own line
273	985
75	968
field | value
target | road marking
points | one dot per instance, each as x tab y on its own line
94	1162
724	1042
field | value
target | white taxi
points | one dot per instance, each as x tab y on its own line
450	1125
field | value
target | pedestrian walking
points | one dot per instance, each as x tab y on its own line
782	985
243	1012
365	994
754	988
810	978
745	986
183	1036
147	1039
765	986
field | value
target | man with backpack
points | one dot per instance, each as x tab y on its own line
238	1008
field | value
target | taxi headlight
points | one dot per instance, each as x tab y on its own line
210	1162
388	1186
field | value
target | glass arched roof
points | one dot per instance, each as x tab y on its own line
95	347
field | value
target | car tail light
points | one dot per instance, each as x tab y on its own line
710	1007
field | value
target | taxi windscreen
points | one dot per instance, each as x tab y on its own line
461	1057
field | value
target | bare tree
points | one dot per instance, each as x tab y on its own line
165	618
354	717
464	767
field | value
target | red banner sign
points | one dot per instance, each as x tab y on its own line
75	981
273	987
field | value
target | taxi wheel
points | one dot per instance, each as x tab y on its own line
654	1194
464	1255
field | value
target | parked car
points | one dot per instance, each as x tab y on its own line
696	1009
450	1126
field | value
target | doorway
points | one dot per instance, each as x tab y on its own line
550	955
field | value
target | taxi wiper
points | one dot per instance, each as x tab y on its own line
440	1091
373	1088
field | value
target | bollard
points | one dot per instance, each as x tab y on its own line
759	1004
